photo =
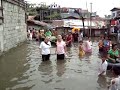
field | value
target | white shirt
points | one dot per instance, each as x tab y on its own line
116	85
103	67
89	45
45	48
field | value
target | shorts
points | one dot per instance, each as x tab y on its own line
60	56
45	57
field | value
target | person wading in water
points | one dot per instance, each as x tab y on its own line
61	48
45	49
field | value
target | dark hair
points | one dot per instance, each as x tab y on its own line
113	45
104	55
81	41
116	70
110	39
39	31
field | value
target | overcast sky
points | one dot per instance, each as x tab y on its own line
101	6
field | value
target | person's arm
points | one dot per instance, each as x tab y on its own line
117	54
69	40
56	48
40	47
65	47
102	73
113	60
49	44
99	44
51	33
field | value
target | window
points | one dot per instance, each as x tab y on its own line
118	13
113	14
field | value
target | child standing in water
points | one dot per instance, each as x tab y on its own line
100	44
103	65
81	50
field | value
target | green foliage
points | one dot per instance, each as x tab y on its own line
55	15
31	9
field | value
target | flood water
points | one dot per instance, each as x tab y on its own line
22	69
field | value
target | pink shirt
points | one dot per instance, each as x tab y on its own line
60	47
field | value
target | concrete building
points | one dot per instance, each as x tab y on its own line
115	23
12	23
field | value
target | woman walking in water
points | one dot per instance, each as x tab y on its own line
106	44
61	48
88	46
45	49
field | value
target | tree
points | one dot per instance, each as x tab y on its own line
31	9
54	16
81	17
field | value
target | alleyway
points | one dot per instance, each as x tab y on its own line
22	69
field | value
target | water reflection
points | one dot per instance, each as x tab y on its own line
61	67
102	81
45	68
12	67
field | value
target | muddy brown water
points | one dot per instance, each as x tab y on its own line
22	69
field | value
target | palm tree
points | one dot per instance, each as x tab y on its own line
81	17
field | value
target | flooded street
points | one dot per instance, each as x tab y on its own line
22	69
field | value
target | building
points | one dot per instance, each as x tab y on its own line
55	12
115	23
12	23
37	25
49	12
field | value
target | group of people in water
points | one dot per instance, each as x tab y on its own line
108	50
110	61
61	47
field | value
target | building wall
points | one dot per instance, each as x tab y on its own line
1	38
114	14
13	28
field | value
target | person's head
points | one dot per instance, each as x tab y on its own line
30	31
69	33
104	57
88	38
80	42
48	30
106	38
114	46
76	30
59	38
116	70
47	39
101	38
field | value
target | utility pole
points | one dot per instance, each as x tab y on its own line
90	19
